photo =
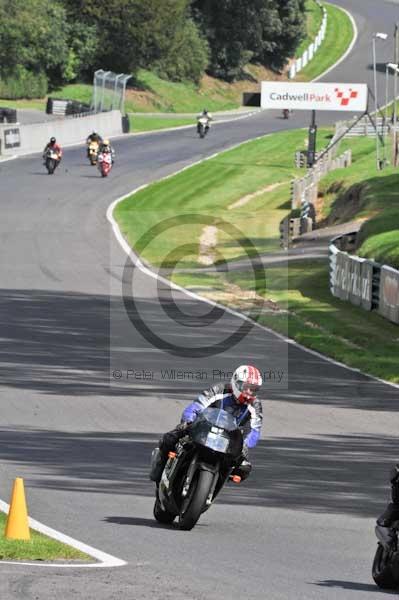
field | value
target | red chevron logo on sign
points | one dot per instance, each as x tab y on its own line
346	97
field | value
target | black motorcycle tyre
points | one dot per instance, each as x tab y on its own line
160	515
51	165
382	571
198	495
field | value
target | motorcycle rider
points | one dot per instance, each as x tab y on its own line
239	398
106	148
52	145
204	115
391	512
93	137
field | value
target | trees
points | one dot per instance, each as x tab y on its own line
267	31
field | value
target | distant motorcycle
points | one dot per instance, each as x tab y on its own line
92	152
385	568
51	160
196	471
104	163
286	113
202	126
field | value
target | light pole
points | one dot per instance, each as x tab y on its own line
383	37
393	67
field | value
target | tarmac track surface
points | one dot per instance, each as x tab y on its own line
301	527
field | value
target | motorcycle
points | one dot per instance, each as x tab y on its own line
196	471
51	160
104	163
92	152
385	570
286	113
203	126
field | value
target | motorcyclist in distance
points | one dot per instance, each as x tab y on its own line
204	115
106	148
52	145
93	137
237	397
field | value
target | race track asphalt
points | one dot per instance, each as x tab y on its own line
302	526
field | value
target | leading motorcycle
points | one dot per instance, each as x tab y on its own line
196	471
104	163
51	160
202	126
385	570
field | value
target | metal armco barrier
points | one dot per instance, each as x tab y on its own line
363	282
292	228
300	63
305	190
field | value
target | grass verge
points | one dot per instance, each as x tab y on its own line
339	36
39	547
148	123
249	188
247	185
314	18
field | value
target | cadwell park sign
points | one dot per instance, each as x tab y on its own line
314	96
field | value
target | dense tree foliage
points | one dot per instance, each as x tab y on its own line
65	40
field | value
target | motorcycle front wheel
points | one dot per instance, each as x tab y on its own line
160	515
382	571
196	502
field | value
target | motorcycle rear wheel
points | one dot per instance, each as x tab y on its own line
382	571
199	493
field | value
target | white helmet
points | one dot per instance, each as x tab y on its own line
246	382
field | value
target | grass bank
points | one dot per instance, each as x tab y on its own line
39	547
339	35
139	122
363	192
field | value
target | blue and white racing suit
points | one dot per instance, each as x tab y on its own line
248	416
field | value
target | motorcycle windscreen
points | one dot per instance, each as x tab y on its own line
217	430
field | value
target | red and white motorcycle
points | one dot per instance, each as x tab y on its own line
104	161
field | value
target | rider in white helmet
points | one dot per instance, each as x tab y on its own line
239	398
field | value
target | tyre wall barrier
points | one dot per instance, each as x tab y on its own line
24	139
364	283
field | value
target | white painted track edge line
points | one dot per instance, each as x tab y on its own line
105	560
349	49
138	263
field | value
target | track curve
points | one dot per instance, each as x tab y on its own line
301	527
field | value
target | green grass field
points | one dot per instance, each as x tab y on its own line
338	38
265	166
39	547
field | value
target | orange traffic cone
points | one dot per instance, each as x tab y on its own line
17	527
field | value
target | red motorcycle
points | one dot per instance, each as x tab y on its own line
104	162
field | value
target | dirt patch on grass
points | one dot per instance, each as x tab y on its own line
208	242
245	199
